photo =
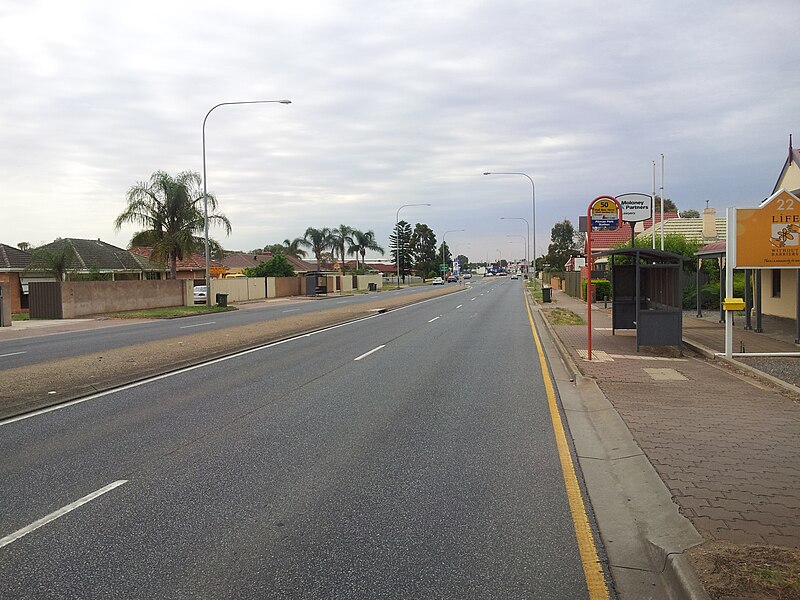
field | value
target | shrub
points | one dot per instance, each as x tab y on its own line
602	288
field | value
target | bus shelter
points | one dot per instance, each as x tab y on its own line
647	292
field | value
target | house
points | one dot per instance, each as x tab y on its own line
96	258
13	265
780	286
191	267
706	229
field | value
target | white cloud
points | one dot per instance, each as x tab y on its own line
392	103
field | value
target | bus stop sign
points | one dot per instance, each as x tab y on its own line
604	213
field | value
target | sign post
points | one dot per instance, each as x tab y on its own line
604	214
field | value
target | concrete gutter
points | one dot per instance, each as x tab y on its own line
644	535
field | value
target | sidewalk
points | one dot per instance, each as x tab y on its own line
724	443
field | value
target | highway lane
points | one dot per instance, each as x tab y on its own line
43	348
407	455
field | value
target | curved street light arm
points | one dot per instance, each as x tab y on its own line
205	185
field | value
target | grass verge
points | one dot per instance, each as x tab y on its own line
562	316
20	317
170	312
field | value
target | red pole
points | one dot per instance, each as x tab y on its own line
589	280
590	262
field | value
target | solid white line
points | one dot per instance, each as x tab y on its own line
198	325
433	319
59	513
13	353
370	352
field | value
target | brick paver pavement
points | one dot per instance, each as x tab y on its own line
726	446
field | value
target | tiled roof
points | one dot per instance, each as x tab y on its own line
715	248
691	229
96	254
243	260
195	262
13	259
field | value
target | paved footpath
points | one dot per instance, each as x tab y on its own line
724	444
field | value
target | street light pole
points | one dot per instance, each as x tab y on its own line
528	241
399	239
205	186
533	209
443	243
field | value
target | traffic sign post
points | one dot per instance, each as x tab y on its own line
604	214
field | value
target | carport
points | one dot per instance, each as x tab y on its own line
647	292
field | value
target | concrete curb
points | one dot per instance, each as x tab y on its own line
643	532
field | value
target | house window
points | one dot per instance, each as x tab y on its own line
776	283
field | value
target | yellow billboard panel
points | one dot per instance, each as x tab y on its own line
769	236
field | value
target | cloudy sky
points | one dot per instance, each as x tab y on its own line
393	102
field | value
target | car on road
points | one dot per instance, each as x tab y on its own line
199	294
452	279
437	281
516	275
469	275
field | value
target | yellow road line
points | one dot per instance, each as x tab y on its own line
592	570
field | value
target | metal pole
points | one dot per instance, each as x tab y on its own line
730	264
399	238
662	202
443	236
654	196
205	186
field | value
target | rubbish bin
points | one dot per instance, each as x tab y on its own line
222	299
546	294
373	287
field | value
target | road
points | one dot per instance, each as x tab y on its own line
411	455
37	349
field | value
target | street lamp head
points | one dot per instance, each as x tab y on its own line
487	173
285	101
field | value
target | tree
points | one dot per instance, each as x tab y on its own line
292	248
563	247
463	261
400	246
318	241
341	237
690	214
55	259
277	266
443	253
361	242
423	250
669	205
171	211
24	246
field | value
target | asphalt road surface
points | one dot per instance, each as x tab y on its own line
409	455
37	349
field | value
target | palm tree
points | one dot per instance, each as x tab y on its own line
317	240
292	248
56	259
342	237
171	212
363	241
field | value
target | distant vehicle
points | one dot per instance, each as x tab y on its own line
437	281
502	274
232	275
516	275
452	279
469	275
199	294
